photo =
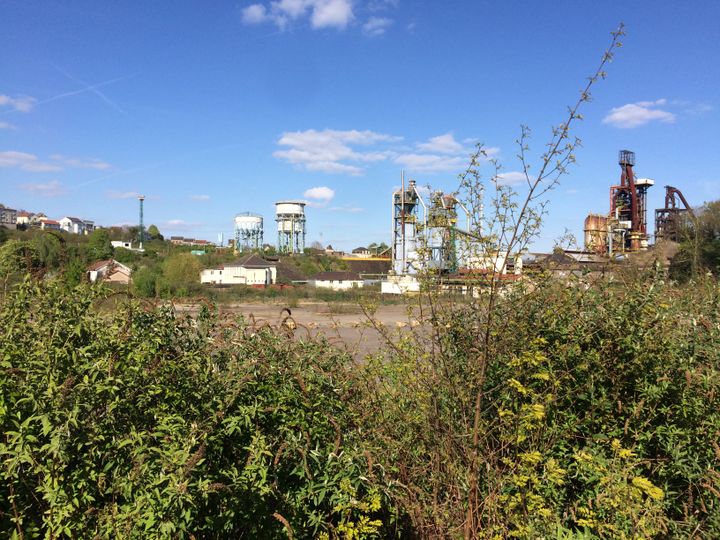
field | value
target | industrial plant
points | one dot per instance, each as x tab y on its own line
624	228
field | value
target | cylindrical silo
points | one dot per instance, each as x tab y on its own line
596	233
248	231
290	217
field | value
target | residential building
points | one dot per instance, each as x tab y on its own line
8	217
337	281
73	225
23	218
37	219
50	224
109	271
121	244
250	270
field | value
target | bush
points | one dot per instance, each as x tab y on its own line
600	411
136	423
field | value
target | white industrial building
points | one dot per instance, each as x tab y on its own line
337	281
250	270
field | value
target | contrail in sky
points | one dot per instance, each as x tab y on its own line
90	88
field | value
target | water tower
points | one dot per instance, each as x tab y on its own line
290	217
248	231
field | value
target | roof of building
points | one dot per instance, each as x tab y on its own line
23	213
117	266
336	276
359	249
74	219
251	261
369	266
50	222
288	272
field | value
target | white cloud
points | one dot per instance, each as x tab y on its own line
180	225
332	151
431	163
443	144
200	197
322	13
511	178
377	26
633	115
254	14
320	193
20	103
25	162
331	13
6	125
346	152
53	188
86	163
123	194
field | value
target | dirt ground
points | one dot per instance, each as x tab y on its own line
344	325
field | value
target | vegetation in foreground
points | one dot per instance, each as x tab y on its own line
600	418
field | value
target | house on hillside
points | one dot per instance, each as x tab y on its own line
361	252
73	225
8	217
250	270
109	271
23	218
50	225
337	281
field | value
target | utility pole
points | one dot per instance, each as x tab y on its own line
141	233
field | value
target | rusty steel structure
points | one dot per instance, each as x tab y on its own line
668	219
596	233
628	205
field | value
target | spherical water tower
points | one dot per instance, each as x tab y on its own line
248	231
290	217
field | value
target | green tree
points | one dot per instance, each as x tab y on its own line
144	282
699	250
181	273
48	248
153	233
99	246
74	272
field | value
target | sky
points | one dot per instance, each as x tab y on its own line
214	108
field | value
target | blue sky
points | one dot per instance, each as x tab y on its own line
215	108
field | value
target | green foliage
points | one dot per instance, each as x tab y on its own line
99	246
49	249
699	251
181	274
134	423
74	273
144	281
600	409
153	233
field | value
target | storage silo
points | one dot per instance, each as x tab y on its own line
290	217
248	231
